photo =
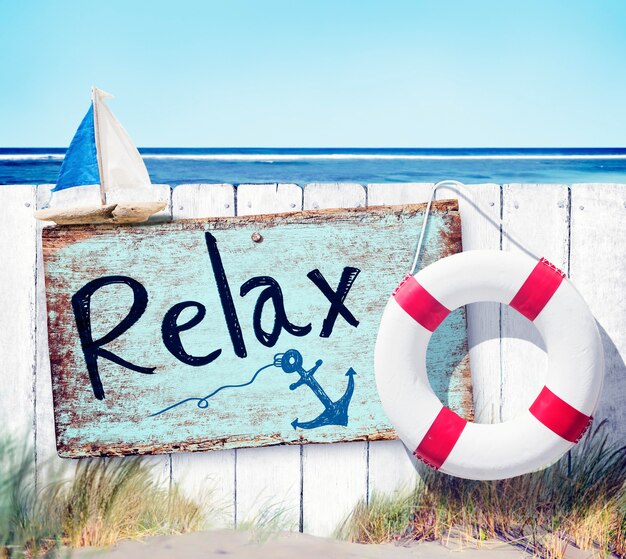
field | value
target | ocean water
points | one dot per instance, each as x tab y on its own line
303	165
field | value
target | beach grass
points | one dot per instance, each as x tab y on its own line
271	518
27	529
579	501
114	499
106	500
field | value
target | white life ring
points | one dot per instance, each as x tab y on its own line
561	412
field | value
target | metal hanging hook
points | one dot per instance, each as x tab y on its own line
463	191
425	222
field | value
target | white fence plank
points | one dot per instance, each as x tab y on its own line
480	205
535	219
49	465
207	476
161	465
203	200
17	308
268	479
398	193
269	484
598	270
390	466
326	195
255	199
334	481
334	477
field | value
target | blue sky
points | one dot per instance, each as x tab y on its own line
318	73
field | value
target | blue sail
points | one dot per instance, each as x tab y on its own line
80	165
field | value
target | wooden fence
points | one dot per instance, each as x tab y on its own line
580	228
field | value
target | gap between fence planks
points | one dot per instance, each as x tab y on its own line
580	228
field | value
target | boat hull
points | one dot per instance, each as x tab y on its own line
123	212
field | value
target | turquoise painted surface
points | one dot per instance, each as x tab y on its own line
172	263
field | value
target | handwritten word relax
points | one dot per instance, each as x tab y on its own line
171	329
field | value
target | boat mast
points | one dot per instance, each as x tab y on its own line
94	101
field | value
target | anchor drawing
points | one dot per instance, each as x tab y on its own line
335	413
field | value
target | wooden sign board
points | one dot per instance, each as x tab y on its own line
235	332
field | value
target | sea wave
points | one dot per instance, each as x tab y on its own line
31	156
270	158
279	157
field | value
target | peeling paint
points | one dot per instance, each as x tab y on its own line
170	261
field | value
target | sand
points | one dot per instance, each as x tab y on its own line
236	545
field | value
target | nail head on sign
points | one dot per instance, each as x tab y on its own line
256	237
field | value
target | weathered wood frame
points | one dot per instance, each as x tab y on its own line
68	372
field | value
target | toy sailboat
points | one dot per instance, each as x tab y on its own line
102	154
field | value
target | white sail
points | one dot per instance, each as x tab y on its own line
123	173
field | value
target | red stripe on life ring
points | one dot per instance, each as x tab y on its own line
440	438
537	290
420	304
558	416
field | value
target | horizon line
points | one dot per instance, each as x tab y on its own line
342	147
